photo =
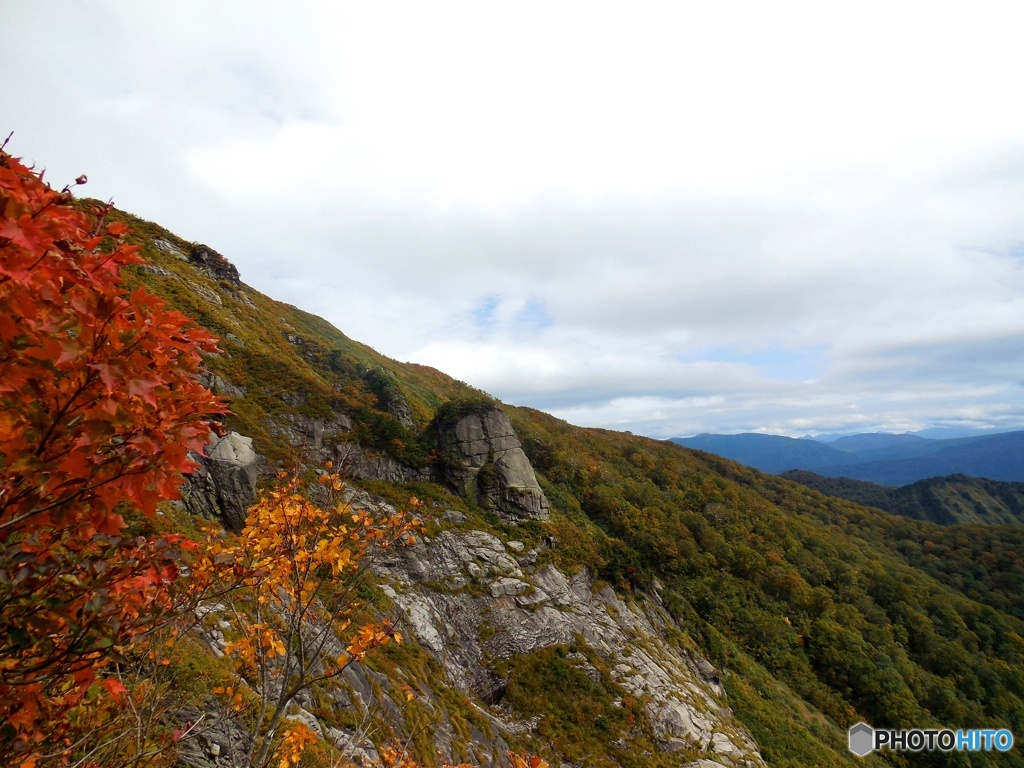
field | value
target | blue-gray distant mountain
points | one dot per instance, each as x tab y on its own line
769	453
999	457
878	458
884	445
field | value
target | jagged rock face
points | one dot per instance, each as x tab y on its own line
467	597
399	408
309	435
223	487
527	609
219	386
212	263
485	462
354	460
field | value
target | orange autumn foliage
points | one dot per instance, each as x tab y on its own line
396	757
289	581
99	406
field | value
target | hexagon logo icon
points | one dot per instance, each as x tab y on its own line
861	739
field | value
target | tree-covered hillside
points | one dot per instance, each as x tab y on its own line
946	500
814	603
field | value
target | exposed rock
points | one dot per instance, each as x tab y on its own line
308	719
367	465
384	386
205	293
485	462
167	247
156	269
584	664
398	407
723	745
311	434
391	470
528	611
219	386
707	671
212	741
356	748
223	486
295	399
453	516
213	264
508	586
212	632
450	553
518	611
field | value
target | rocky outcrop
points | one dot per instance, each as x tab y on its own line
437	586
398	408
170	248
312	436
223	486
367	465
484	461
220	386
207	260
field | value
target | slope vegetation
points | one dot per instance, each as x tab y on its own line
956	499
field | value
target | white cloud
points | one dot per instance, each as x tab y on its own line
683	217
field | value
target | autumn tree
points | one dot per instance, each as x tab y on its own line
99	406
287	585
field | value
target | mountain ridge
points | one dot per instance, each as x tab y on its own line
875	457
950	500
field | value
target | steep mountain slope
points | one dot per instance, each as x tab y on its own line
664	607
858	491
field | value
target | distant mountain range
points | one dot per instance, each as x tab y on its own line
882	458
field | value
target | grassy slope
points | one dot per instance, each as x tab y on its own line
810	604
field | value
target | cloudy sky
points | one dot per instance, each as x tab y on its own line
671	217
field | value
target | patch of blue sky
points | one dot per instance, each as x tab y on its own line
802	364
1016	251
533	316
485	311
496	313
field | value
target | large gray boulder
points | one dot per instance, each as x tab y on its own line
484	461
223	486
